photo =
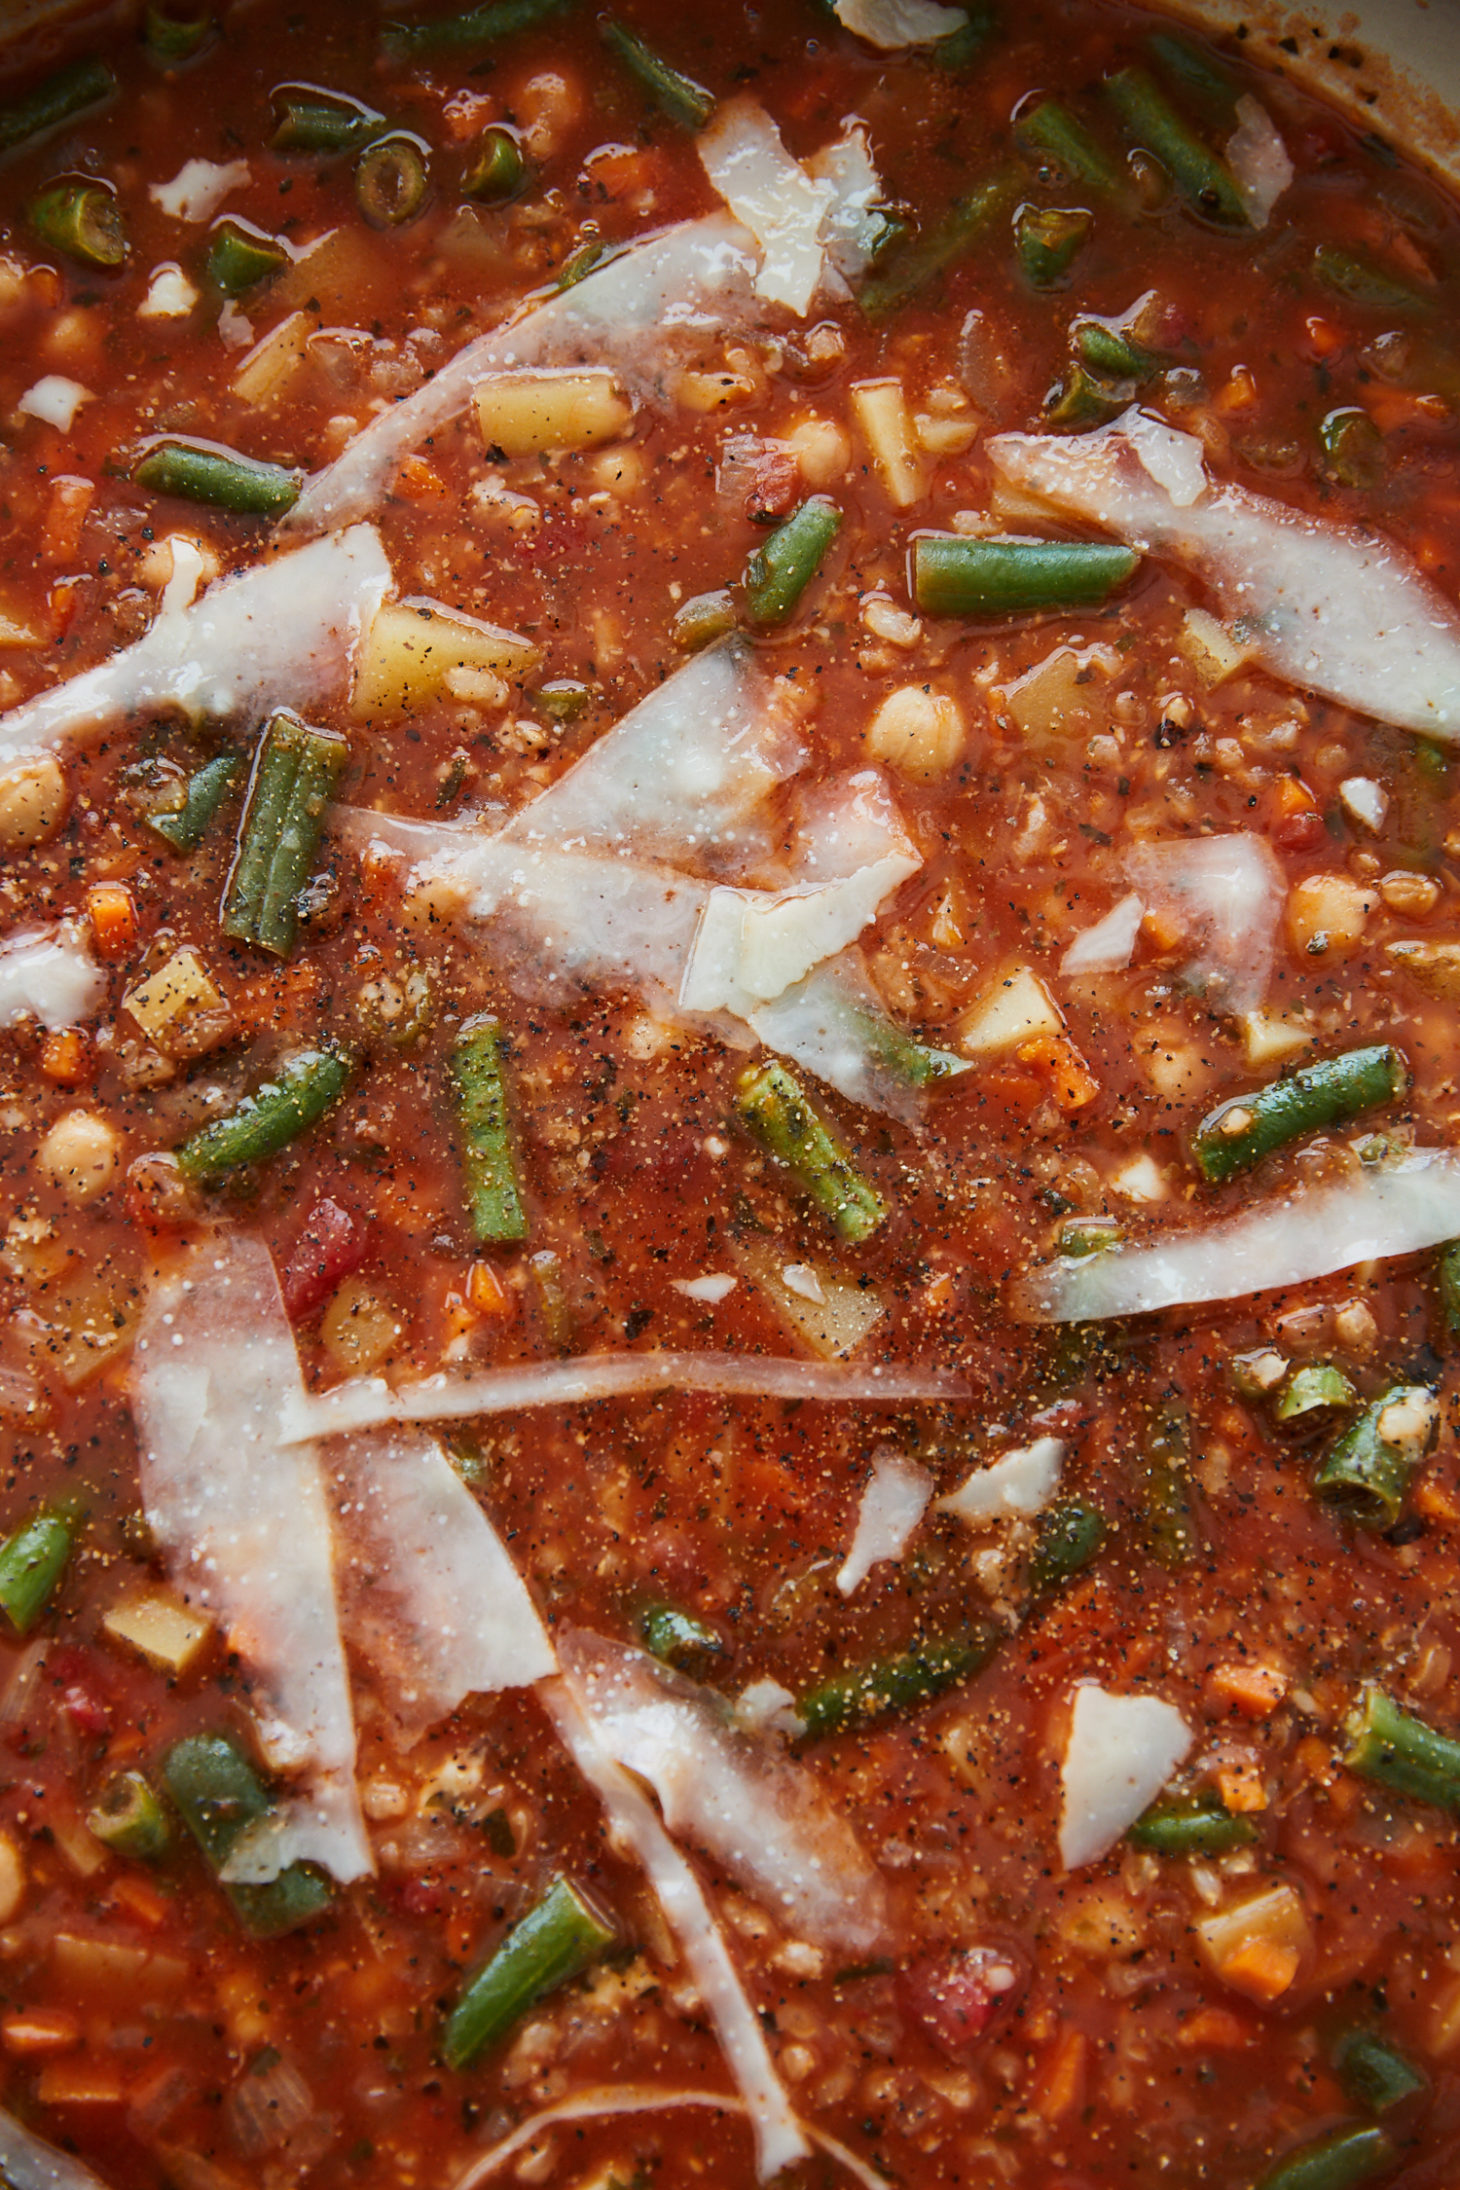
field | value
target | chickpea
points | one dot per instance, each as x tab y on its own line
822	451
32	802
1327	915
80	1154
917	731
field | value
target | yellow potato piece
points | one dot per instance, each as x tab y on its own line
525	414
415	646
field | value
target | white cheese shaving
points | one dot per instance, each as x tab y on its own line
199	188
890	24
1323	606
741	1798
54	400
894	1499
853	227
1228	892
1257	160
712	1290
242	1520
1120	1754
1365	802
635	1828
29	2163
772	194
281	633
430	1593
1373	1213
1106	947
1176	461
766	1707
835	1023
49	974
170	295
1016	1485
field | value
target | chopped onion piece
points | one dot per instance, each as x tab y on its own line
27	2162
1258	160
760	1813
894	1500
54	400
367	1402
430	1592
890	24
1331	609
1014	1486
242	1519
279	633
772	194
1228	892
633	1825
49	974
1120	1753
711	1289
1396	1210
1107	946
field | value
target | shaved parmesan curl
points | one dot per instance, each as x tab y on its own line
1107	945
1397	1210
894	1500
891	24
49	973
743	156
1120	1753
1258	160
1228	892
1322	606
29	2163
1015	1485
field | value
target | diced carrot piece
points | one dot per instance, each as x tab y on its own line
1239	392
1214	2030
1061	2085
66	509
419	481
1291	795
82	2082
32	2031
486	1292
62	604
65	1056
1241	1787
1071	1082
1262	1968
1252	1688
1323	337
1162	929
1315	1760
1436	1500
113	919
138	1897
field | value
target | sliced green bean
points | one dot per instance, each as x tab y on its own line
1369	1470
1359	281
1082	398
1062	148
199	472
307	119
392	179
472	29
915	261
240	256
1313	1398
1353	447
128	1818
703	619
58	99
1447	1278
1401	1752
185	826
172	39
1374	2073
488	1165
897	1684
1048	239
295	772
918	1064
957	576
1168	1509
32	1561
266	1121
1110	350
1197	75
498	169
1068	1538
774	1106
1152	124
1245	1128
681	98
1189	1824
780	570
677	1637
83	221
579	264
1339	2161
555	1942
218	1794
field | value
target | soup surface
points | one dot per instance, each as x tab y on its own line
727	1108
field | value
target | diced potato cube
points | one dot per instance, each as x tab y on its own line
1258	1945
360	1327
17	630
180	1007
272	363
158	1625
112	1969
880	409
1057	698
32	801
415	649
1015	1010
523	414
1268	1037
1210	648
1435	966
830	1317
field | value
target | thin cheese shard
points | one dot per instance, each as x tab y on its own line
1228	893
772	195
892	24
1120	1753
894	1499
1017	1484
49	974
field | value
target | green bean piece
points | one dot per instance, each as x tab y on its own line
1313	1398
1165	1490
774	1106
579	264
897	1684
307	119
1447	1278
1369	1470
1401	1752
964	45
1375	2074
32	1561
1081	398
956	576
1357	280
295	772
677	1637
1353	447
1245	1128
128	1818
553	1304
1048	239
917	1064
59	98
703	619
1068	1537
562	1936
1090	1235
1110	350
1152	124
1062	148
681	98
218	1794
197	472
780	570
83	221
240	256
303	1089
172	39
473	28
1338	2161
185	826
488	1166
1189	1824
498	170
1197	75
915	260
391	181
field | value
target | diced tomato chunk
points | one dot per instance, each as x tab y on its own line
1303	831
332	1246
958	1994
